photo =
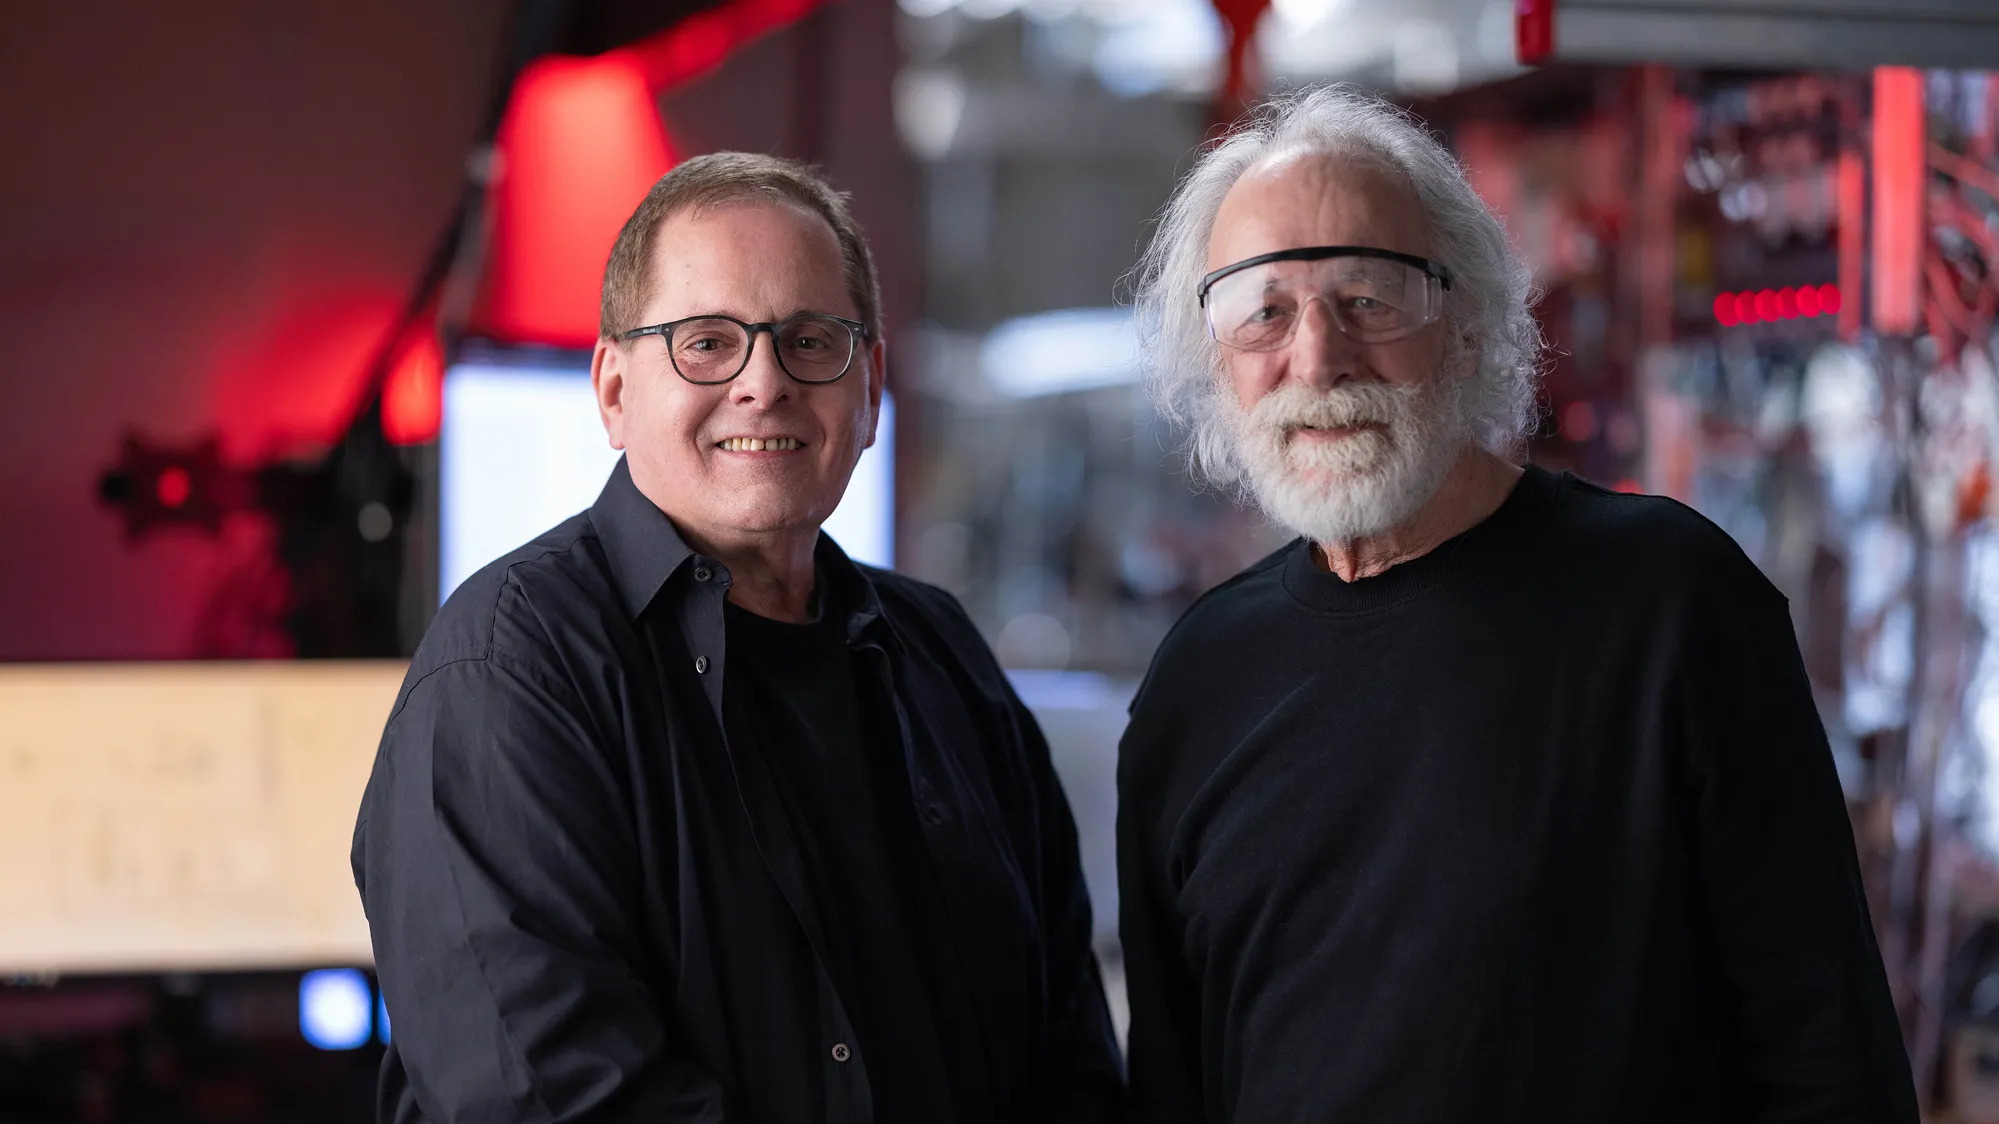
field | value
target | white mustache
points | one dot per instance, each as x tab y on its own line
1340	407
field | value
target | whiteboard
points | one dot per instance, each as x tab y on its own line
184	816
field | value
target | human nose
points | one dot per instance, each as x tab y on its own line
1320	354
762	379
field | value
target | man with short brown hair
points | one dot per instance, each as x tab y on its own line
684	816
732	177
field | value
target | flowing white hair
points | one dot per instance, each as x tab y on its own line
1486	309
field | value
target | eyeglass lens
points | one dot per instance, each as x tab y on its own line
809	348
1373	300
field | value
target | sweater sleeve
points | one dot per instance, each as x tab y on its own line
1163	1053
1814	1030
1085	1078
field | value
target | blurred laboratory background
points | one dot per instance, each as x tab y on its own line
296	303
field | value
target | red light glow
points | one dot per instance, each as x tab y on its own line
1579	421
1901	182
698	44
413	400
1851	194
323	341
1533	31
1732	309
174	486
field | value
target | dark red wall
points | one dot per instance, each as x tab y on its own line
207	209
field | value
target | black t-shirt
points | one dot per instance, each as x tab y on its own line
1538	827
796	696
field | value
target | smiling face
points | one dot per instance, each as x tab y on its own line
1340	439
762	458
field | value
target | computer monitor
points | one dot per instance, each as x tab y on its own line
521	449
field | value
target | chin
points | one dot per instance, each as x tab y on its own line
753	514
1356	493
760	522
1325	511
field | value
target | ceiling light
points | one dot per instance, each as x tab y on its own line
1304	14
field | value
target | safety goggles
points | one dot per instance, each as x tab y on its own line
1373	295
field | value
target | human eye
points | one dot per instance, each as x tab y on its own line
1264	322
704	344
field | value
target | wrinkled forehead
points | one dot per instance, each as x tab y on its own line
1296	199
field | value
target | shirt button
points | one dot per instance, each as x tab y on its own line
700	665
702	573
840	1052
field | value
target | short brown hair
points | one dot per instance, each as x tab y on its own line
730	177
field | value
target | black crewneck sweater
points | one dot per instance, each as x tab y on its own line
1540	826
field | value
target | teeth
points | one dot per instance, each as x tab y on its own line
763	444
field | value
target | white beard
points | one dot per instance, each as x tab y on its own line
1356	486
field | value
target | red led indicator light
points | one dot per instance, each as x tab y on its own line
174	486
1732	309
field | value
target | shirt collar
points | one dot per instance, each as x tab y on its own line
850	587
645	549
641	543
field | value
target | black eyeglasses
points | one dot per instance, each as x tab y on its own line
813	347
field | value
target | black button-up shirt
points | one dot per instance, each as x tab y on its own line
586	906
794	699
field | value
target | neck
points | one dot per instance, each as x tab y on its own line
769	575
1474	488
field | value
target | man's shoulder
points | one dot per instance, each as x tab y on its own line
504	609
1222	620
1229	608
509	641
1647	543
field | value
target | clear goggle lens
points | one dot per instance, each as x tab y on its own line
1372	300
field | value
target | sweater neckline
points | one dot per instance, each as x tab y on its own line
1323	591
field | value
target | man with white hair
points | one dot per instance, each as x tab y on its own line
1495	796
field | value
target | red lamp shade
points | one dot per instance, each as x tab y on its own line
580	144
413	398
